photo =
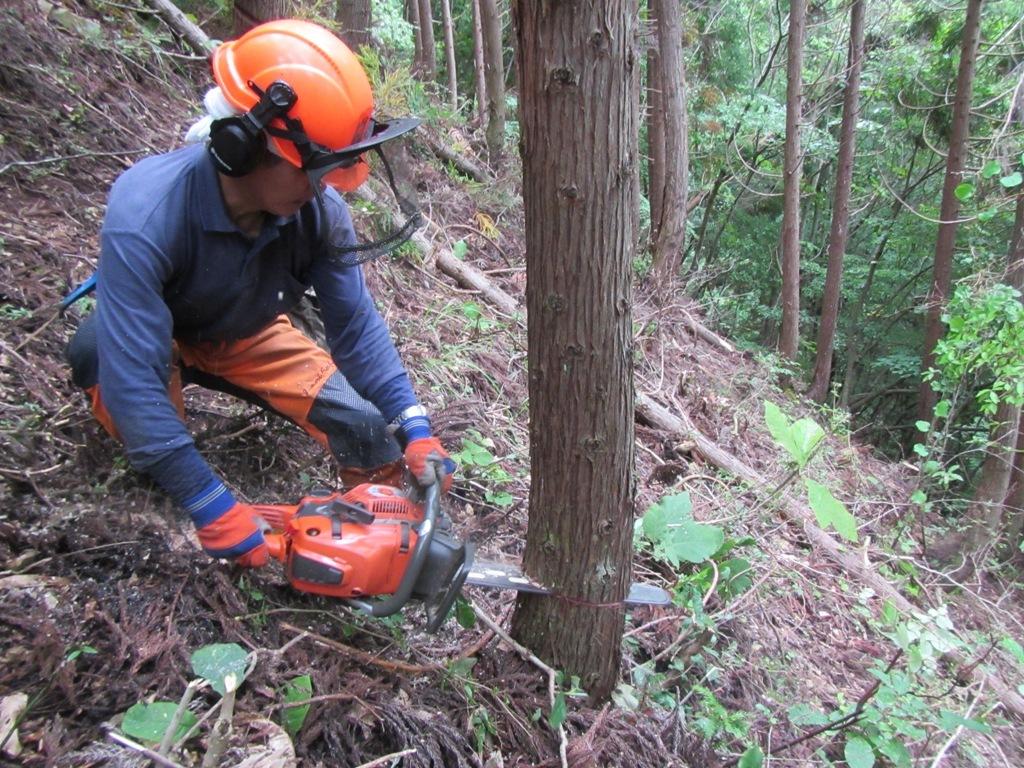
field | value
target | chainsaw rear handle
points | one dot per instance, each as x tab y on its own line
393	603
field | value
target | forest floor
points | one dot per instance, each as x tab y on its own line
105	593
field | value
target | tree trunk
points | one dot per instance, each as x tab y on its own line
655	131
494	73
449	54
249	13
942	274
986	509
1014	504
412	15
789	337
840	209
670	232
355	23
429	61
578	116
479	77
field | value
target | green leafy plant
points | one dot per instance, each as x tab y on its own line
801	440
221	663
674	536
149	722
477	461
829	511
222	666
477	321
296	691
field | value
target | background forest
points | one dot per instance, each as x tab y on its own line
823	233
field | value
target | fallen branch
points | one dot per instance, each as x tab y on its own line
157	758
525	652
707	334
464	274
461	163
198	40
799	514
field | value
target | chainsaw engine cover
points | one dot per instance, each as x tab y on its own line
354	544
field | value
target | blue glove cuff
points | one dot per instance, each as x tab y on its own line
252	541
210	503
413	428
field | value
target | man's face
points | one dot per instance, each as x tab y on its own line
280	187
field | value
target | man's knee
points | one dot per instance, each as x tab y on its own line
82	356
356	432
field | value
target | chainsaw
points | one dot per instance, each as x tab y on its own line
376	548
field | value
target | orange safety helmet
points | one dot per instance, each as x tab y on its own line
334	102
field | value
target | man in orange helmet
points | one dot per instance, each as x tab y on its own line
205	250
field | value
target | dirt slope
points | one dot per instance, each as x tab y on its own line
105	594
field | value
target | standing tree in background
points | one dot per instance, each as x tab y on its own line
942	272
986	513
789	338
355	23
249	13
578	114
494	74
479	76
840	208
669	141
412	15
449	54
428	48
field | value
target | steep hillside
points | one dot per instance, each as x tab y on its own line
105	594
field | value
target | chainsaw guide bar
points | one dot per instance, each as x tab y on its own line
510	576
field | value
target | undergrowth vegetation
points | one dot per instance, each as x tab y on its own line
777	647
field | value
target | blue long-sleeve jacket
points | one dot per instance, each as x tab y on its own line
174	266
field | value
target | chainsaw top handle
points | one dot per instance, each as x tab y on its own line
425	533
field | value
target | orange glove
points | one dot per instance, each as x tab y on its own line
228	528
428	462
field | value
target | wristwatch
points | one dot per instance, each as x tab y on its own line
411	412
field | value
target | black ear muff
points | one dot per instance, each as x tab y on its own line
237	144
234	147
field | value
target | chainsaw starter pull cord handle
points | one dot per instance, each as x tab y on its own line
425	534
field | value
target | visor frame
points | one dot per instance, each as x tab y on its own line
323	159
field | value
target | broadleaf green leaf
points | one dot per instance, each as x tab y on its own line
858	753
464	613
1013	180
990	169
964	191
691	542
671	510
829	511
753	757
806	434
558	712
898	754
149	722
778	426
218	661
950	721
297	689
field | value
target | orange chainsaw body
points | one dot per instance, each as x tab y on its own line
350	545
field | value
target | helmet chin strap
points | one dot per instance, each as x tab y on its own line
360	253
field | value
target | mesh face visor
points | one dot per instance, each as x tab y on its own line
320	163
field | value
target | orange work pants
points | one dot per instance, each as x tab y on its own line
282	370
